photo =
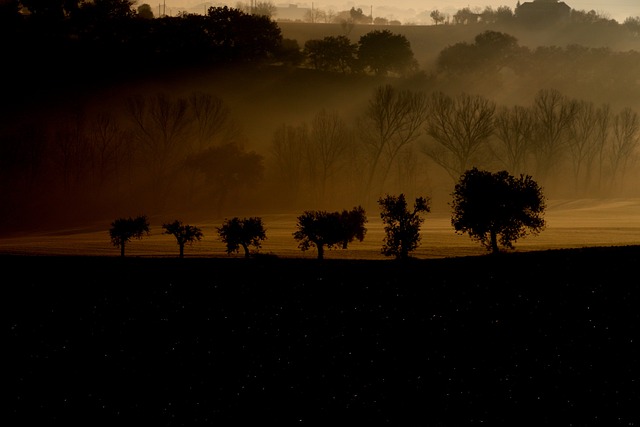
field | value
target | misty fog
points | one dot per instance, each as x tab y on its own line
204	143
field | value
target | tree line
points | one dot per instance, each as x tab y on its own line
188	153
162	152
495	209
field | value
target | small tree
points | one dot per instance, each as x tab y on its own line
185	234
124	229
402	227
245	232
330	229
496	207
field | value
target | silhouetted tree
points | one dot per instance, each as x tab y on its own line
460	127
465	16
382	51
124	229
288	148
401	226
290	53
489	54
626	140
437	16
497	207
393	119
145	12
632	24
185	234
240	37
332	53
330	229
585	141
358	16
161	127
514	130
246	232
554	114
329	140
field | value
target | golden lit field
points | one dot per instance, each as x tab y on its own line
570	224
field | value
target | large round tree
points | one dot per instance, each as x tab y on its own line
381	52
497	207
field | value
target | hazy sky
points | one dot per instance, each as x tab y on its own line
615	9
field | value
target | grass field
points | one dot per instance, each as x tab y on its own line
540	336
570	224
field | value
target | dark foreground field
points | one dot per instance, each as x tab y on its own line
536	338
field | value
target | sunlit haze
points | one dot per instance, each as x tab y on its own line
407	10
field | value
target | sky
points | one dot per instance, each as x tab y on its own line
614	9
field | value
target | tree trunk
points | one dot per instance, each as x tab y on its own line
320	251
182	251
494	242
122	249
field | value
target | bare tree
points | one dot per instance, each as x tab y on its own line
315	15
212	121
111	149
288	148
393	119
161	128
460	127
625	142
212	125
554	115
329	139
514	129
603	128
585	142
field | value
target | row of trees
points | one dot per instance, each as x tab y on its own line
492	208
591	147
492	53
506	15
380	52
110	30
174	153
108	39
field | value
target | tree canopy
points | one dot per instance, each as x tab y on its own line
497	207
124	229
322	229
382	51
401	226
245	233
185	234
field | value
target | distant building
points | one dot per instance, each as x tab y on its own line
542	11
291	12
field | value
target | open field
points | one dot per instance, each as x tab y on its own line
542	338
570	224
546	336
